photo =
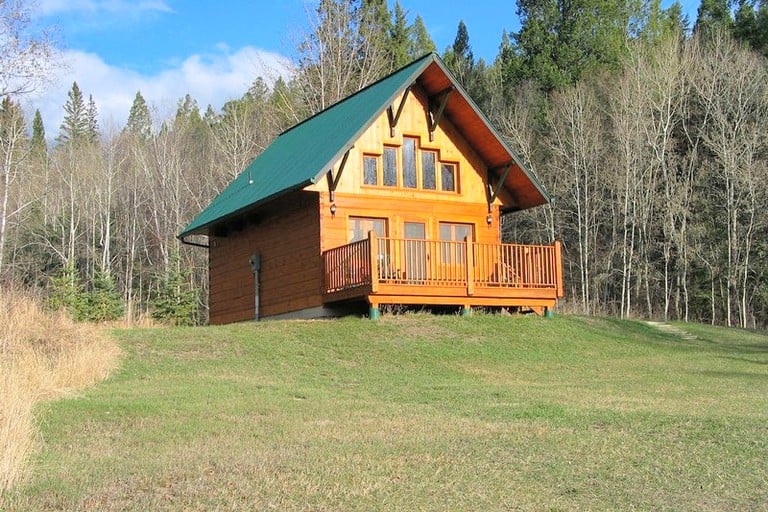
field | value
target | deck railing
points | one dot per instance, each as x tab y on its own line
449	264
348	266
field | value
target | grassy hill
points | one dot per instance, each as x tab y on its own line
415	412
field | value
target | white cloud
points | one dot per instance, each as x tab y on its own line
210	79
48	7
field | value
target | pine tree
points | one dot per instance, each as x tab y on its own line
38	143
461	48
558	41
459	56
399	38
508	67
751	24
92	114
139	119
713	15
473	76
176	302
421	43
67	293
102	302
74	128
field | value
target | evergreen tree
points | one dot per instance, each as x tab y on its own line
653	23
75	127
176	302
421	43
67	293
139	119
11	122
458	57
560	41
399	38
187	109
751	24
102	302
38	143
93	122
713	15
472	76
461	49
375	22
508	67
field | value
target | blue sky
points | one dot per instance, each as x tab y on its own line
211	50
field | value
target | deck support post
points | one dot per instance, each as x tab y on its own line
470	266
373	260
373	311
558	266
466	311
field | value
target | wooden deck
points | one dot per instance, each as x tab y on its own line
429	272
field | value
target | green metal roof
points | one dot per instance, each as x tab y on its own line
303	154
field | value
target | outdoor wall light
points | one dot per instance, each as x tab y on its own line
489	219
333	209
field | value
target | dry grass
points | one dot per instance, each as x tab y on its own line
42	356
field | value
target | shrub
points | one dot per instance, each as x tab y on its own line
176	302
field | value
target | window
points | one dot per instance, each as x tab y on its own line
454	253
390	167
360	226
409	162
410	167
428	159
370	170
448	177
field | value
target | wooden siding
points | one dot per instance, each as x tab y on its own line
287	236
398	211
448	142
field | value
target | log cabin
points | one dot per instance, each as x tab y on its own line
393	195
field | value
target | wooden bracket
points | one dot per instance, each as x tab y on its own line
434	118
394	117
333	181
493	192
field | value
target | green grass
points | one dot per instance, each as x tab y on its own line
415	412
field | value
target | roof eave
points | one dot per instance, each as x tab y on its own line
203	228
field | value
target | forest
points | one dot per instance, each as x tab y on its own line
647	129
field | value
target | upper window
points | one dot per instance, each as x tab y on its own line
390	166
448	173
410	166
370	170
409	162
428	159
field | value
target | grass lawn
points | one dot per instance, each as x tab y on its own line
415	412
